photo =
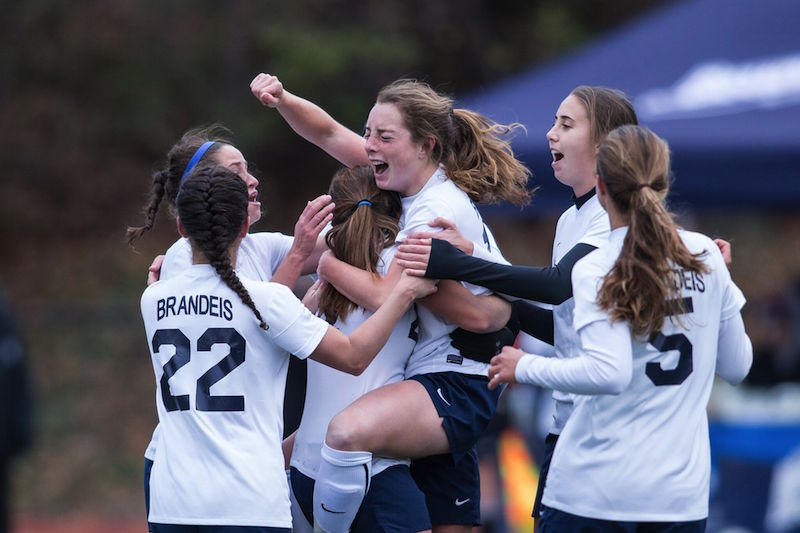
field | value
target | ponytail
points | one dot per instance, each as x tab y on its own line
641	288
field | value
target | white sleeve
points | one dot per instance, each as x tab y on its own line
734	350
604	366
291	326
177	259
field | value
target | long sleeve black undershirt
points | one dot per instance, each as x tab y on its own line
551	285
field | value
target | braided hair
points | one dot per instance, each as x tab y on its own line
166	180
212	205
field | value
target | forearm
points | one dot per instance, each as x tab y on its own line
290	269
364	289
368	339
544	284
603	367
734	351
316	126
479	314
534	320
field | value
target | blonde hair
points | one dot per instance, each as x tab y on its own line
641	288
475	151
365	221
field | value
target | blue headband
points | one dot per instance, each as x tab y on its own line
365	202
198	155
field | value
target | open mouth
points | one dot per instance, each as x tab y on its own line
380	167
557	156
253	196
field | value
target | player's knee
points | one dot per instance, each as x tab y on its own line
345	432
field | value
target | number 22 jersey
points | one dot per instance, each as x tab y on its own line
220	383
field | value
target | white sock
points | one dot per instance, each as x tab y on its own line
342	482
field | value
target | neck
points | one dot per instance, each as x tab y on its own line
199	258
423	175
583	188
615	218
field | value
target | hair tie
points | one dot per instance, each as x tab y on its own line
198	155
643	185
364	202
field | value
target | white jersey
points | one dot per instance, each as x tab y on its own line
260	254
643	455
588	225
220	383
329	391
440	197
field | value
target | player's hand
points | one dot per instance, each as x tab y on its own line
726	250
316	215
503	365
268	89
449	233
325	261
413	255
420	287
311	298
154	270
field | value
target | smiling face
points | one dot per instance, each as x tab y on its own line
400	163
232	159
574	151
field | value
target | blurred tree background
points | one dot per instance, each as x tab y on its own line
93	93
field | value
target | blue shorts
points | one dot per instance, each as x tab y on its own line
392	504
148	467
180	528
452	490
549	447
555	521
465	404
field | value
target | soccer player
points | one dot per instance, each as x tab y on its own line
220	346
265	256
657	315
364	226
439	159
582	120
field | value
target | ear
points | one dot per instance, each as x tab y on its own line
601	185
181	229
426	147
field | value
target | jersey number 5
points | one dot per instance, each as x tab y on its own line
667	343
204	400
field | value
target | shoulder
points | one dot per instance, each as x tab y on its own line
698	243
267	238
177	258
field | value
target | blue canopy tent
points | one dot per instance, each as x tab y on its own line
718	79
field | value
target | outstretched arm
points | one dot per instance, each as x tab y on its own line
310	121
353	354
604	366
438	259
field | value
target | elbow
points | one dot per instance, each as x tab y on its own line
355	368
481	324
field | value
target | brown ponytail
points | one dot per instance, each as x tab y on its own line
365	221
641	287
475	151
